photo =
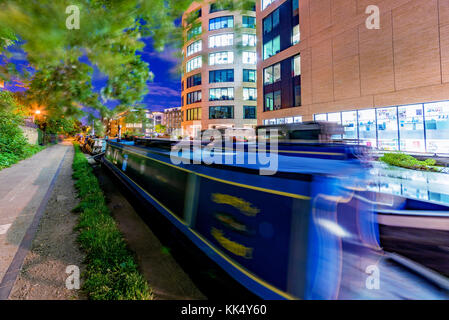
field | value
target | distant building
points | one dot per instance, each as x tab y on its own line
120	121
172	119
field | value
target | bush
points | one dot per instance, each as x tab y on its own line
407	161
111	272
13	144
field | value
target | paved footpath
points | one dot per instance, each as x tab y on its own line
25	189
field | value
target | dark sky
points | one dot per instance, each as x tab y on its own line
164	91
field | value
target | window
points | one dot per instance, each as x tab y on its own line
193	114
221	94
269	102
272	47
249	57
223	57
295	35
296	65
297	95
249	112
387	128
271	22
250	94
272	74
349	122
294	6
248	22
221	40
222	112
367	127
194	80
321	117
194	97
226	75
277	100
193	32
248	40
266	3
194	63
194	47
437	126
411	128
221	23
249	75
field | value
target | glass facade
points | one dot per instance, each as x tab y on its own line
286	120
249	112
225	75
249	22
221	23
222	112
221	40
410	128
221	94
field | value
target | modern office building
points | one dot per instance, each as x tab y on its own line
219	76
389	87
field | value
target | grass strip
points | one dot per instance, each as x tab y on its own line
7	159
409	162
111	272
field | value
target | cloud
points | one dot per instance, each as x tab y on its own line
159	89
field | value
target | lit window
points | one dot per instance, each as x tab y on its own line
224	57
194	47
249	57
266	3
272	47
296	65
221	40
221	94
295	35
437	126
272	74
249	40
250	94
387	128
194	63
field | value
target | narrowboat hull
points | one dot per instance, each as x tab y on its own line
294	235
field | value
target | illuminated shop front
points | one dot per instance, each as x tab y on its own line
411	128
287	120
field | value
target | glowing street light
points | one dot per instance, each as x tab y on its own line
37	112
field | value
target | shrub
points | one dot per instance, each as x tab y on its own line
407	161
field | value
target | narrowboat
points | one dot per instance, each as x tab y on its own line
307	230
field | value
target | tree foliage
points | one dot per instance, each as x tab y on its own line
110	36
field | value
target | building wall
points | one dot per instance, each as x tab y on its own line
238	67
345	66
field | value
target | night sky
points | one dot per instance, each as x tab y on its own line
164	91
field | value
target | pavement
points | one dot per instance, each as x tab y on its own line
25	189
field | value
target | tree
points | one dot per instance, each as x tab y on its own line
160	128
110	36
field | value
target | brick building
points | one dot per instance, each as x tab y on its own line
389	86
